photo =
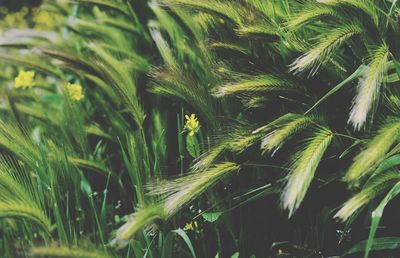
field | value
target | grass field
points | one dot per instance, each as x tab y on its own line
199	128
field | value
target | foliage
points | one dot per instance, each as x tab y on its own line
172	128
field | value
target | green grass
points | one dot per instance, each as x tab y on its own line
194	126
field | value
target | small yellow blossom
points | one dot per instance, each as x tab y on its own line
75	91
43	20
191	226
17	20
25	79
192	124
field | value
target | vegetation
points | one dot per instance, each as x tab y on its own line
212	128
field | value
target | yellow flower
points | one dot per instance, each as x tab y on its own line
43	20
24	79
17	20
192	124
75	91
191	226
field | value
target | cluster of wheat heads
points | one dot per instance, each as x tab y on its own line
177	128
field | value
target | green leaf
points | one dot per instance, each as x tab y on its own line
52	99
212	216
235	255
185	238
388	163
85	187
397	67
384	243
192	146
376	218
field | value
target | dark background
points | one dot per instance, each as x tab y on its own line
16	4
